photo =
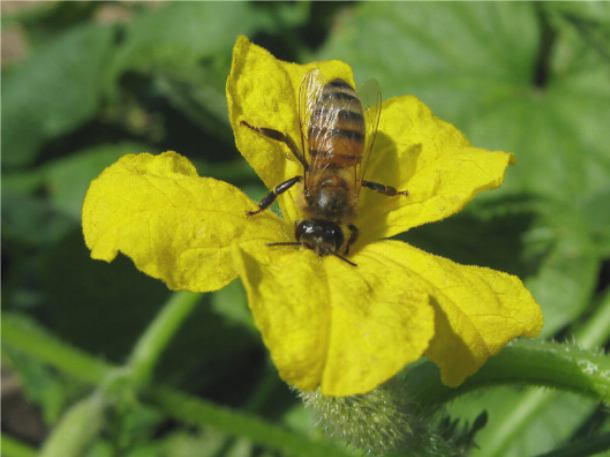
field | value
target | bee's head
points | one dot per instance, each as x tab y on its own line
324	237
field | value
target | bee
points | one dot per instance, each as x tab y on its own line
337	135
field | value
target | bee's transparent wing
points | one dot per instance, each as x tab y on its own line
310	92
370	96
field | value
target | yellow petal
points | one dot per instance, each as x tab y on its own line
478	310
174	225
330	325
264	91
432	160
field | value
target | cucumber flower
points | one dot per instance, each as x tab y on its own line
328	325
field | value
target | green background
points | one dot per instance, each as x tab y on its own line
84	83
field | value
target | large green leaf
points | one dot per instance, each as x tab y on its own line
57	89
523	428
176	35
30	221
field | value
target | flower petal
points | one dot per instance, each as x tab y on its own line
174	225
264	91
330	325
477	310
432	160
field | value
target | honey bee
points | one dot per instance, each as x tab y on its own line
337	135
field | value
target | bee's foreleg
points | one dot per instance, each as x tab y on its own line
383	189
271	196
353	236
279	136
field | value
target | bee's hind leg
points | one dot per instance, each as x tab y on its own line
383	189
279	136
353	236
271	196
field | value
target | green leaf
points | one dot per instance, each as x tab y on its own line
21	183
186	47
57	89
174	36
589	11
31	221
595	212
518	428
44	387
565	282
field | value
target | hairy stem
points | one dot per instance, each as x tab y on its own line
560	366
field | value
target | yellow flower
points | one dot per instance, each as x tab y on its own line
327	324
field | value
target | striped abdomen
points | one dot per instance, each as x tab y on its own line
336	127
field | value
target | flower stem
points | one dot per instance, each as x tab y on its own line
84	420
77	428
33	341
151	344
560	366
30	339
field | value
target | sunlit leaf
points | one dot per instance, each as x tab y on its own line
55	90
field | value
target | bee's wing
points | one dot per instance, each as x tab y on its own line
310	92
370	96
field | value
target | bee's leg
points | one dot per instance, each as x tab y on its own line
346	260
279	136
271	196
353	236
383	189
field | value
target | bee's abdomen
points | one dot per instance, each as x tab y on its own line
336	128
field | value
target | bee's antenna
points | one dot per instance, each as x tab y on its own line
345	259
286	243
